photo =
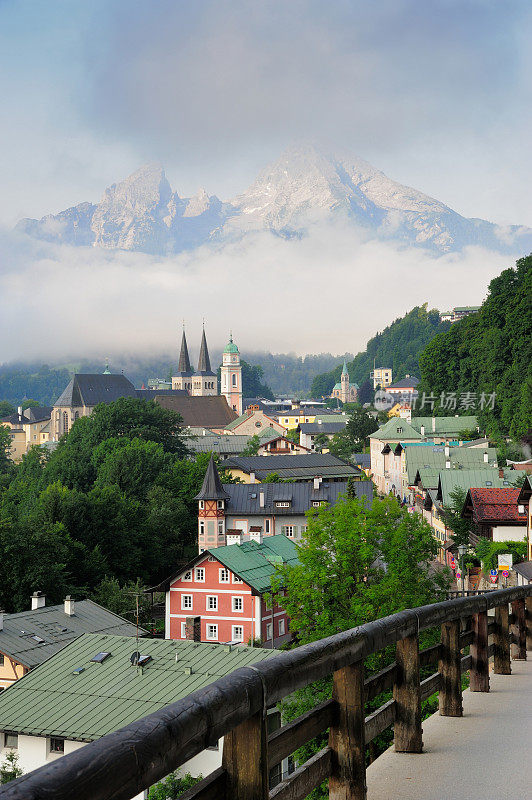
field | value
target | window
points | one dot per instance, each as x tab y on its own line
399	430
200	574
303	529
317	503
282	629
99	658
238	604
236	579
269	630
11	740
212	632
202	504
201	527
224	575
183	630
57	745
283	503
237	633
186	601
234	378
266	526
288	530
219	503
1	659
220	528
212	602
188	575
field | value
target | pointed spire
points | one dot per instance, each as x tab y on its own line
212	488
184	361
204	363
344	369
106	371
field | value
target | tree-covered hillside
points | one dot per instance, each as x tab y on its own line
490	352
398	346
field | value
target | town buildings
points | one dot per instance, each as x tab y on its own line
458	313
381	376
29	638
253	421
210	412
99	683
253	469
222	592
29	426
344	390
496	514
234	513
308	431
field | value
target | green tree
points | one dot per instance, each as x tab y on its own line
122	600
173	786
321	442
354	437
454	520
9	768
5	448
487	552
252	447
6	409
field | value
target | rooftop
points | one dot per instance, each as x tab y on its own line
91	389
256	563
244	498
209	412
495	504
303	466
72	697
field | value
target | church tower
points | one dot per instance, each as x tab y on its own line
183	379
344	382
231	376
204	382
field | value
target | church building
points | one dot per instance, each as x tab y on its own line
345	391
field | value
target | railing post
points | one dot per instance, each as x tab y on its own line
408	735
528	614
347	736
450	698
479	675
245	759
518	648
501	640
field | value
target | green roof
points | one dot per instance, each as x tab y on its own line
433	457
231	346
254	562
444	424
52	700
396	429
331	417
466	479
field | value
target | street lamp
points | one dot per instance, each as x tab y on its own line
462	550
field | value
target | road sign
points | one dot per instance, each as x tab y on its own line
494	578
458	574
505	573
505	561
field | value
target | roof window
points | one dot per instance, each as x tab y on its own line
489	483
78	670
37	639
99	658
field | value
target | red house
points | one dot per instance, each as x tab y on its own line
219	595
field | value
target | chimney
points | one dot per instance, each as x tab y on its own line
317	482
234	538
261	500
193	629
19	409
319	422
448	464
69	606
485	458
38	600
256	536
447	451
252	477
433	424
423	430
1	619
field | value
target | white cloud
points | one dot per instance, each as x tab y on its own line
330	291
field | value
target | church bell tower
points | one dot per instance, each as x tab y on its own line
231	376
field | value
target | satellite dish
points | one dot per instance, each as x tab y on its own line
135	658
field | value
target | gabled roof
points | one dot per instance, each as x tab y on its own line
89	390
54	700
450	479
39	414
212	488
524	569
306	465
432	456
395	430
404	383
526	491
494	505
208	412
57	629
256	563
237	421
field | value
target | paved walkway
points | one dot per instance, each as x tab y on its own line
484	755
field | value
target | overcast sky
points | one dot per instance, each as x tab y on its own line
436	94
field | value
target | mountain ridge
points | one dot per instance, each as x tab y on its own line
303	187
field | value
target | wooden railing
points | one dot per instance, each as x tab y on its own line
122	764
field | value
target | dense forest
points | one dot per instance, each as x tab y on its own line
490	352
114	501
398	346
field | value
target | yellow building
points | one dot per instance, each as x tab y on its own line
27	427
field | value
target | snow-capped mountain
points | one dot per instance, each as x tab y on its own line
303	187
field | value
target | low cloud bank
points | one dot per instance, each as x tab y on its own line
330	291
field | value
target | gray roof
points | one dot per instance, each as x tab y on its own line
303	466
362	460
211	411
204	362
184	367
244	498
322	427
57	629
38	414
151	394
404	383
212	487
524	569
89	390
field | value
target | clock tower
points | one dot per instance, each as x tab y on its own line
231	376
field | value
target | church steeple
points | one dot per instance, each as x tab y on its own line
204	363
184	367
344	369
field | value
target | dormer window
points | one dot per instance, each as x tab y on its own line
283	504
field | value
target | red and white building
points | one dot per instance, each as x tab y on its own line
219	595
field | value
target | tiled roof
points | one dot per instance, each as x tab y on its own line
496	504
54	700
208	412
56	629
236	421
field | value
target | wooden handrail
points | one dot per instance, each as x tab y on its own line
122	764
